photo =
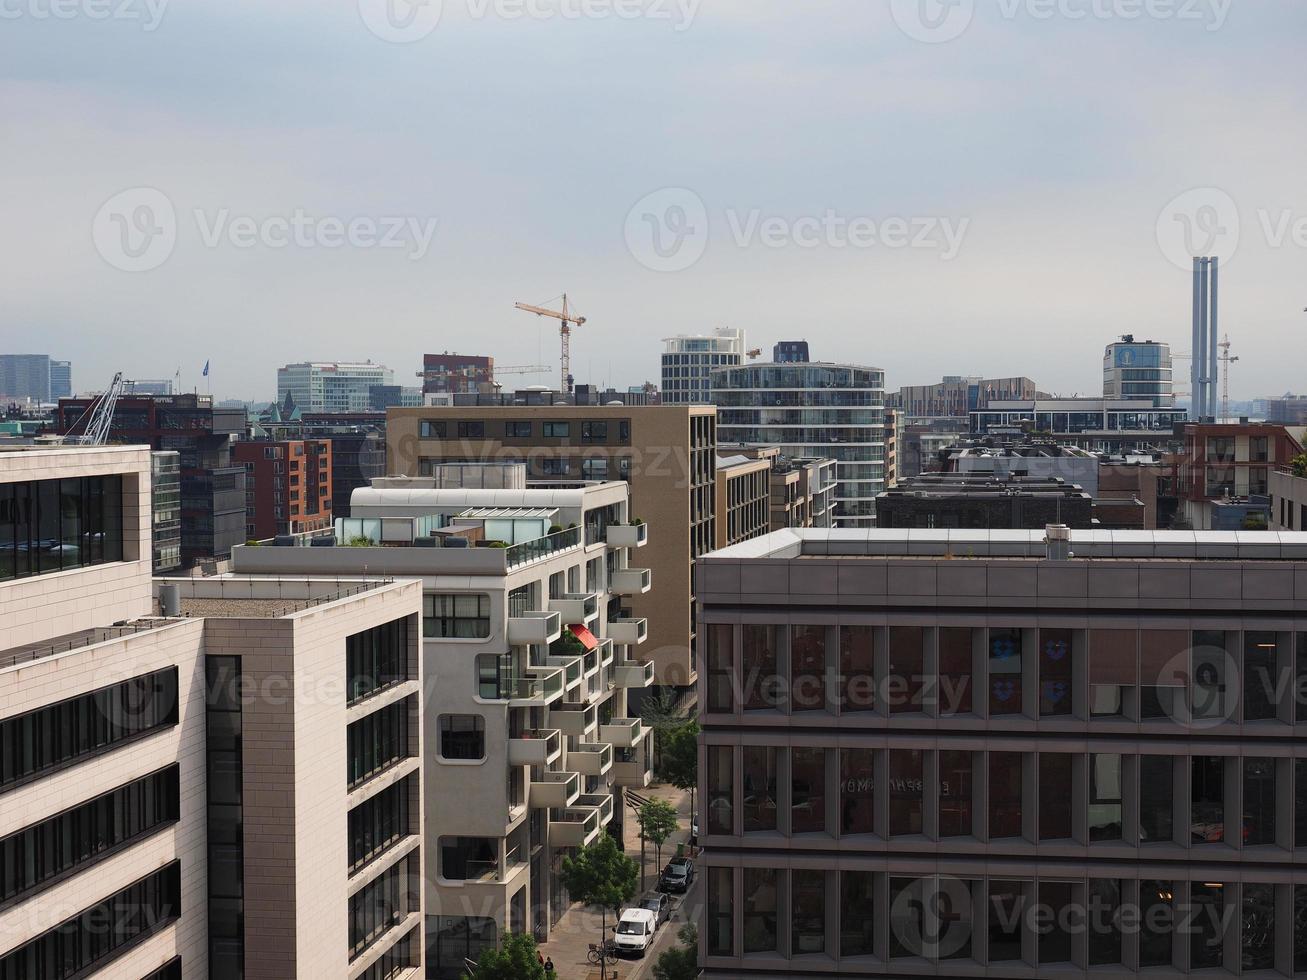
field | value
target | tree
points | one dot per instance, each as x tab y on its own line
518	959
657	823
662	711
1299	464
680	963
600	874
679	759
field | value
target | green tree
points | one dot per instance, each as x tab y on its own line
662	711
517	959
600	874
680	963
1299	464
657	823
679	759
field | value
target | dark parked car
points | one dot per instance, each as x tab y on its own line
678	875
659	904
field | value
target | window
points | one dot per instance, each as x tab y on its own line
1055	647
1258	935
1104	921
1005	672
379	823
1112	656
1055	794
759	788
955	670
1300	803
517	430
760	894
52	525
808	911
554	467
721	777
429	429
100	934
376	659
1163	673
1156	797
47	852
955	794
396	961
378	741
857	680
1210	697
594	431
456	616
85	726
1258	801
1007	910
1207	815
906	785
471	430
720	657
381	904
595	468
1005	785
462	737
1055	941
807	667
807	790
468	858
907	667
720	920
556	430
1207	940
857	913
224	814
762	683
458	938
172	970
1300	928
1259	449
1104	796
857	791
1259	676
1157	903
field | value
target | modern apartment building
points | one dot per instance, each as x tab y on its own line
200	785
1138	371
1288	501
759	490
166	511
288	486
956	396
1289	410
1225	472
821	410
534	649
689	361
1104	425
984	500
456	372
666	453
331	386
1004	754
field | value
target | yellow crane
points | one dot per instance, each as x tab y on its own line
1226	361
564	333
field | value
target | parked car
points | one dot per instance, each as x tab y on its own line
678	875
659	904
694	829
635	932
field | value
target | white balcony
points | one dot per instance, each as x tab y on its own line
555	789
580	607
574	720
603	802
633	673
540	687
630	581
571	666
537	748
622	733
573	827
590	758
628	535
540	626
606	650
628	631
635	773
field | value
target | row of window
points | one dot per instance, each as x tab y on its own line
376	659
172	970
596	432
458	616
1095	922
84	726
101	933
1204	676
224	813
1045	796
46	852
379	823
378	741
382	904
395	961
53	525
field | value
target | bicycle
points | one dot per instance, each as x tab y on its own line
598	953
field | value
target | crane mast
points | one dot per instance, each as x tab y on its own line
564	334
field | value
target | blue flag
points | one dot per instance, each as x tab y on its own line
206	369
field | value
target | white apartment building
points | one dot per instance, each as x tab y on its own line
227	789
528	653
331	386
689	361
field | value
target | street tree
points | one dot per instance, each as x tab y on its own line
600	874
517	959
657	823
679	759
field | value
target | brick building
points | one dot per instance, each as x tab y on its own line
287	486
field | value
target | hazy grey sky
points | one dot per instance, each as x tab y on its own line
933	188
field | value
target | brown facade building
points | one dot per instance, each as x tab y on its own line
456	373
287	486
955	397
1225	472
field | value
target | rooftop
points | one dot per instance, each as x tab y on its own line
54	646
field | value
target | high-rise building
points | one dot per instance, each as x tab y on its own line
820	410
1017	754
166	510
331	386
456	372
955	397
666	453
26	377
288	486
759	490
530	742
1138	371
61	380
790	352
689	361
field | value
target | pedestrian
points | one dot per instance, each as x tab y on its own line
549	968
540	957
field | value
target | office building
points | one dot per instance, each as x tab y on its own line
1289	410
759	490
984	500
922	444
967	754
161	386
1135	494
382	397
956	396
1103	425
1224	474
212	486
688	363
1138	371
666	453
173	800
288	486
27	377
790	352
456	373
166	511
1044	459
331	386
819	410
530	742
61	380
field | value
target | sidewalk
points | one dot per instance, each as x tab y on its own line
570	940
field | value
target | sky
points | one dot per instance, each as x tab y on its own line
932	187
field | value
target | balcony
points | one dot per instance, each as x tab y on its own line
633	773
602	802
630	581
591	661
574	720
606	650
535	748
555	789
576	607
520	554
534	627
590	758
633	673
573	827
540	687
571	666
622	733
628	631
628	535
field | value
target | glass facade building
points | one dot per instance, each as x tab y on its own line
1139	372
688	364
836	411
55	525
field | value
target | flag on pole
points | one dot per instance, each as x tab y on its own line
206	369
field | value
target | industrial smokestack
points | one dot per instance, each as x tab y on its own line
1197	397
1200	351
1214	368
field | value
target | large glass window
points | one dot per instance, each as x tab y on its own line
1300	668
1258	935
1007	909
808	789
1300	803
224	798
1300	928
468	858
54	525
720	657
857	791
721	781
907	668
1210	694
1157	922
462	737
761	667
720	920
1112	670
378	741
857	672
1206	936
1259	676
1055	677
1163	673
1207	815
955	670
807	911
1104	922
1258	801
1104	796
857	913
760	893
1055	795
906	791
456	616
759	788
382	903
1005	785
1156	799
955	794
807	667
1005	672
377	659
379	823
1055	897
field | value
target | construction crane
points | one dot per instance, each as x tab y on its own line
513	369
98	416
564	333
1226	361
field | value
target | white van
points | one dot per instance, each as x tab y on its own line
635	932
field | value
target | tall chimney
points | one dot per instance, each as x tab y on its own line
1197	396
1214	368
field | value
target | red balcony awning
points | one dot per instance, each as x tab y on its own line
588	639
